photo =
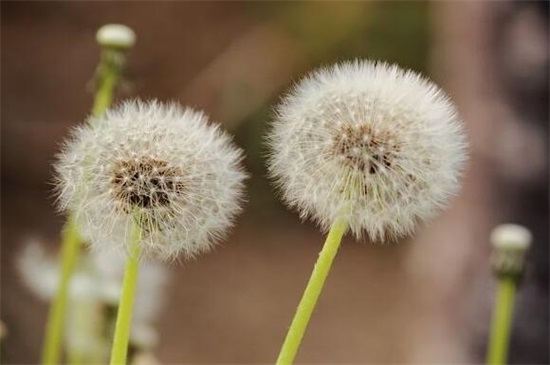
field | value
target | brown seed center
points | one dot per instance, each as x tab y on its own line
362	148
145	182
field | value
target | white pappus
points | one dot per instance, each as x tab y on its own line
160	166
382	146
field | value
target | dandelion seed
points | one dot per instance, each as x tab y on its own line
383	146
164	169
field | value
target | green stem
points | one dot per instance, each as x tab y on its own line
502	320
119	351
54	327
109	72
312	292
109	69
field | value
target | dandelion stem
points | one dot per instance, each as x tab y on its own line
312	292
108	73
54	327
119	351
502	320
109	70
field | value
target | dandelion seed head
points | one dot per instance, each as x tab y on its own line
511	237
160	166
116	35
379	144
511	243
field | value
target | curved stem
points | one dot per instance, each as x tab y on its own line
497	353
312	292
119	351
54	328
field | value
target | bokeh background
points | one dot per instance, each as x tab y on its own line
426	300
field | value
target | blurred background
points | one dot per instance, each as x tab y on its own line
426	300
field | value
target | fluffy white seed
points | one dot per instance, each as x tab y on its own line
162	167
383	146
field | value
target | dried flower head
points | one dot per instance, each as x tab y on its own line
380	145
511	237
116	36
159	166
511	243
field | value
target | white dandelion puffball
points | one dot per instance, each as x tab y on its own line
158	166
379	145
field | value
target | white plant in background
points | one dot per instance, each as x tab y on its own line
40	273
159	166
382	145
96	284
151	291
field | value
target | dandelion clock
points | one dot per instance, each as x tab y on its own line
153	179
366	147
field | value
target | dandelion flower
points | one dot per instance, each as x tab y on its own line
158	166
382	145
363	146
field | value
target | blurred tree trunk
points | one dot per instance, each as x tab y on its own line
494	56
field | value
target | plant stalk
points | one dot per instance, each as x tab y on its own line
121	339
56	318
311	293
109	71
497	353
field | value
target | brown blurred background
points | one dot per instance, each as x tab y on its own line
426	300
